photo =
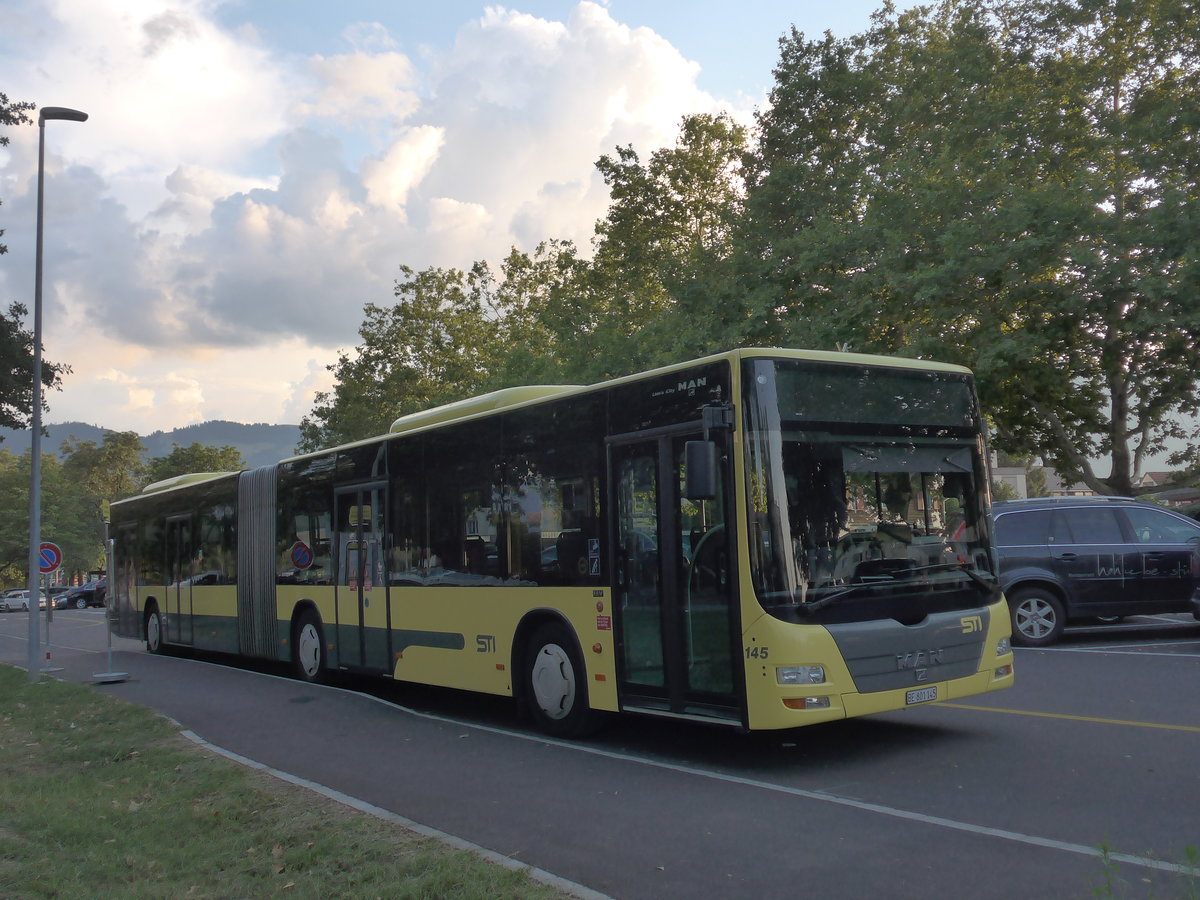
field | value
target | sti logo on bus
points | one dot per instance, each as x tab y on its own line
971	624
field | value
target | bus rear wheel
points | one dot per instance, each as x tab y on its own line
308	647
555	689
154	631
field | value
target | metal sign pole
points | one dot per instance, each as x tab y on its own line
43	581
109	676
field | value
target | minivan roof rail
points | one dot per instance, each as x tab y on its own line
1065	499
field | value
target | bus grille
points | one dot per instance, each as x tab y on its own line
885	655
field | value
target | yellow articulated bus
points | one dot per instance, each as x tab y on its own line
761	538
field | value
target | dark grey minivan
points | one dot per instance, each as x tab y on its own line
1068	558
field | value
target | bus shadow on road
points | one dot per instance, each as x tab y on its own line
881	739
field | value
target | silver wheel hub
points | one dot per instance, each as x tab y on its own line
553	679
308	649
1035	618
152	633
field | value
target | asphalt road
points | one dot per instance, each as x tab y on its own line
1008	795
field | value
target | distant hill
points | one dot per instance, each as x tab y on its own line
260	445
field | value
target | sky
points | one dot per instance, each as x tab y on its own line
253	172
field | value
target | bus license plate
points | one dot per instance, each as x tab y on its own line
921	695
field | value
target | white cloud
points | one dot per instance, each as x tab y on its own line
214	230
161	82
360	86
389	179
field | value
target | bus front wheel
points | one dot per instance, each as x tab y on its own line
555	689
308	647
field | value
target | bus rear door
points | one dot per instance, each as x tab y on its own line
362	593
180	569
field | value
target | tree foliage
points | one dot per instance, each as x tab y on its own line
429	348
12	113
195	457
648	295
657	288
16	344
1008	185
78	484
75	493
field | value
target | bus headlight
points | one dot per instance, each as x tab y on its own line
1003	647
800	674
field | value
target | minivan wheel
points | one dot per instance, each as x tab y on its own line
1038	617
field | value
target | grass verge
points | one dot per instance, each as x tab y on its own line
99	797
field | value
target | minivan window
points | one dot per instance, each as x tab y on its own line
1022	528
1094	526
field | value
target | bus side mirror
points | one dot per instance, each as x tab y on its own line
700	462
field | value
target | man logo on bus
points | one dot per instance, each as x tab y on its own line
692	385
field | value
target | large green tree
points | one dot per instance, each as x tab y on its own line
94	475
431	347
1009	185
654	290
72	513
78	484
16	344
657	287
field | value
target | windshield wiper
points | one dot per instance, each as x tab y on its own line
992	589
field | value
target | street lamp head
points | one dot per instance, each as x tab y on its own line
61	112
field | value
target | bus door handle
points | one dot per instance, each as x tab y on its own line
1066	557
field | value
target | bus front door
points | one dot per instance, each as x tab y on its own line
673	588
362	593
180	569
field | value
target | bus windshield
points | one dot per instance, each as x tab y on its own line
867	491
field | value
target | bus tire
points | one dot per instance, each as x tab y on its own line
308	647
555	686
1038	617
154	630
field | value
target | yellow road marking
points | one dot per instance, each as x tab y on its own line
1044	715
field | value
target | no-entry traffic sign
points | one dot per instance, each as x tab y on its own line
49	558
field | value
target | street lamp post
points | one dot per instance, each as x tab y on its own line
35	459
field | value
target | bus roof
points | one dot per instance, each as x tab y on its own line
180	480
461	409
507	398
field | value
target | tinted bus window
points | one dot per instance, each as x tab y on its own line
305	509
463	505
552	489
